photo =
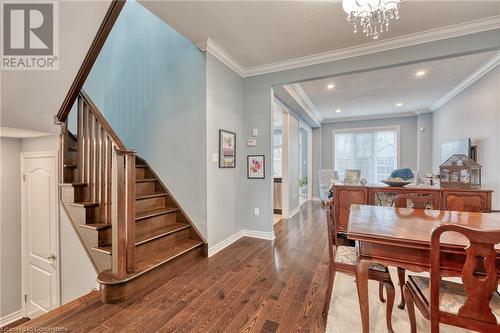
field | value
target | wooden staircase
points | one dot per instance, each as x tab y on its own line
133	230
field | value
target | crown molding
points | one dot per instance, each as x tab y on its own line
483	70
211	47
370	117
300	96
427	36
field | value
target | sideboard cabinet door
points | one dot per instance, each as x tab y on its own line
467	201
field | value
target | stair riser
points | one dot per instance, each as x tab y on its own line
149	204
145	188
145	225
143	250
69	175
85	215
72	194
141	173
104	237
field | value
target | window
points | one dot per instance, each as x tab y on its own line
374	151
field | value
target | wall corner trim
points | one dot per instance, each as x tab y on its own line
212	250
11	317
483	70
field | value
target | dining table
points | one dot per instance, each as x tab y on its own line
401	237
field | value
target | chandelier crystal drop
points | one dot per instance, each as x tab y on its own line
372	16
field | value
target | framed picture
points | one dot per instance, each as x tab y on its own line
227	149
256	168
352	177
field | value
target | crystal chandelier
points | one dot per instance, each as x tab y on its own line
373	16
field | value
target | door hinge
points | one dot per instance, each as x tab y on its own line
24	177
25	298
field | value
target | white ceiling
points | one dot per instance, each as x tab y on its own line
376	93
257	33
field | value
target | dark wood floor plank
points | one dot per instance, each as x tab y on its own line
253	285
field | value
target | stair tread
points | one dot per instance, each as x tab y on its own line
74	184
141	166
151	195
96	226
163	255
72	166
160	232
73	148
160	257
155	212
106	249
145	180
84	204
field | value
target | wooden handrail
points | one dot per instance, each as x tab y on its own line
107	24
107	167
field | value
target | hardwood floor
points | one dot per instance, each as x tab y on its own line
253	285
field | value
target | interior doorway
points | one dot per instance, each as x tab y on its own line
39	214
305	163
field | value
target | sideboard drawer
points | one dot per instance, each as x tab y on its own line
467	201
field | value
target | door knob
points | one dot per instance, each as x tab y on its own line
52	257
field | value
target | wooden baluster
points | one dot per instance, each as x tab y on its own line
102	175
92	157
79	134
87	152
97	161
109	171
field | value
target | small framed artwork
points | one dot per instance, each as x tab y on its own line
256	167
352	177
227	149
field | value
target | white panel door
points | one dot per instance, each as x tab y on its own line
40	233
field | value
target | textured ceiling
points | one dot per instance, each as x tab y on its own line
376	93
257	33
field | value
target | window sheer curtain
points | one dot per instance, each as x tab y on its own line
374	151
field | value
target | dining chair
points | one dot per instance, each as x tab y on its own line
343	258
473	304
417	201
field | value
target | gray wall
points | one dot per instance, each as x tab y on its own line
293	163
257	102
224	111
424	128
408	138
474	113
154	98
10	226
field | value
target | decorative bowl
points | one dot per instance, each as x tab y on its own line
396	183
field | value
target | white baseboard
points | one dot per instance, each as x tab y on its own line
233	238
267	235
11	317
293	212
225	243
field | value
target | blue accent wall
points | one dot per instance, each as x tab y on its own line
149	82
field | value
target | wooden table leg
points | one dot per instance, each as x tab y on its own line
362	267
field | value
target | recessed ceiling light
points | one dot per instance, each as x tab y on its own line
399	105
338	110
330	86
420	73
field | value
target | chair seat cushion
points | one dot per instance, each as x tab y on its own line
451	295
347	255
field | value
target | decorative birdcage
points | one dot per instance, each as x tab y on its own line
460	171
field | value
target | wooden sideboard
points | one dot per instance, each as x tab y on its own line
474	200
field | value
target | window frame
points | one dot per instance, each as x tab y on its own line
369	129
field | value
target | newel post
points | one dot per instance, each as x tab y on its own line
123	212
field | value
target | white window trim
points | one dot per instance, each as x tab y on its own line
397	128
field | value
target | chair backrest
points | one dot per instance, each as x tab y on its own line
330	220
325	180
419	201
479	274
